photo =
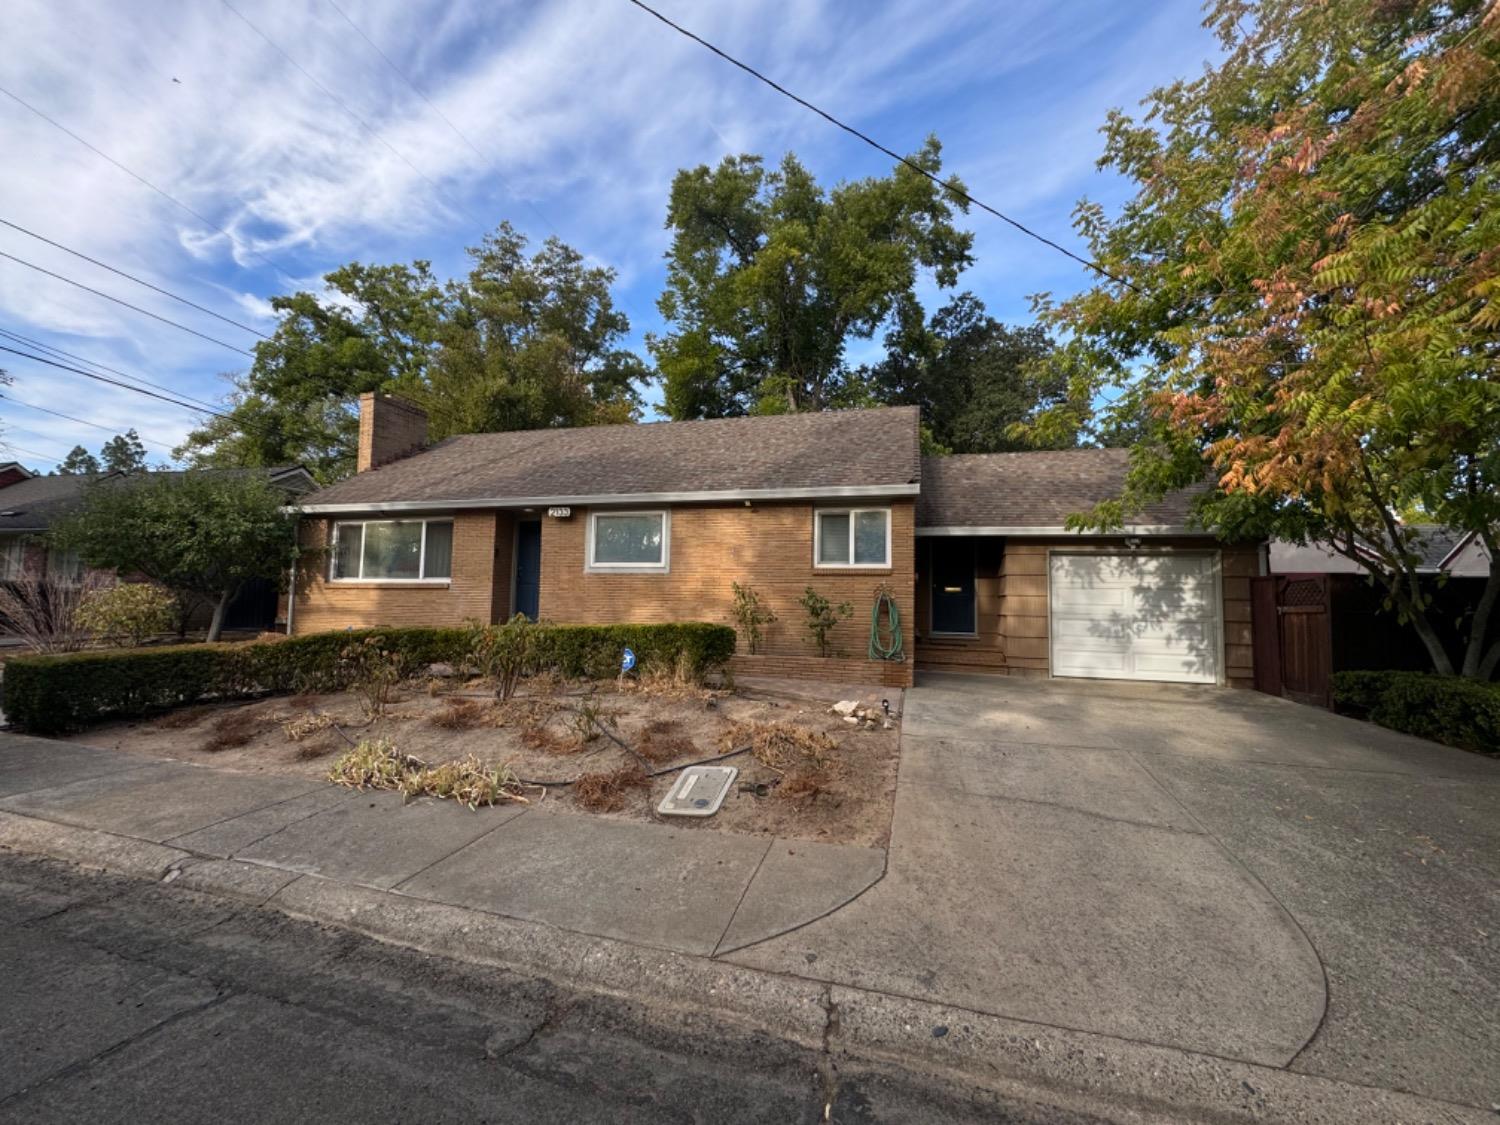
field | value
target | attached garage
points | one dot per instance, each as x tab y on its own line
1136	616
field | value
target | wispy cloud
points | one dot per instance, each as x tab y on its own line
581	113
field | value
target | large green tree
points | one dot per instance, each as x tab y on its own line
202	534
975	378
770	276
520	342
78	462
1308	293
123	453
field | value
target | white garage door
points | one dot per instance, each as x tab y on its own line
1135	617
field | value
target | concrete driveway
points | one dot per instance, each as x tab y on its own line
1194	867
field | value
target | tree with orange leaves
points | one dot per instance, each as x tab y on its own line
1307	304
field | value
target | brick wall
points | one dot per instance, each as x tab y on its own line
389	428
471	592
887	673
768	546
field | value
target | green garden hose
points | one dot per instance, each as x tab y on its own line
891	649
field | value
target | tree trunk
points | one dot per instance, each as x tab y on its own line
216	626
1479	627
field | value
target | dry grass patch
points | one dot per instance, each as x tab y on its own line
229	731
538	736
300	727
318	747
377	764
183	718
802	758
459	713
662	740
606	791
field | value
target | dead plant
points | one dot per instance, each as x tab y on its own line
590	718
539	736
458	713
662	740
183	718
301	726
658	679
319	747
377	764
227	732
803	758
606	791
372	671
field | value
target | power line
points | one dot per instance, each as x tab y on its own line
159	191
358	120
80	421
132	277
915	167
127	304
32	452
112	382
459	133
30	343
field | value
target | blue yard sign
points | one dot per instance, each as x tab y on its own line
627	662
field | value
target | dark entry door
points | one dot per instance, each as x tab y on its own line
1306	638
528	567
953	586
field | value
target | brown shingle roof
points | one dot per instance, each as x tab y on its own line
785	453
1032	489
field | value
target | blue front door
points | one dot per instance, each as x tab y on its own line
528	567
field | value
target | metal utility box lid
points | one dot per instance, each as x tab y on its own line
699	791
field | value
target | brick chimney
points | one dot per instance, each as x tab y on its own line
390	428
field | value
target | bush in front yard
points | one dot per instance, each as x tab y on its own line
48	694
1459	712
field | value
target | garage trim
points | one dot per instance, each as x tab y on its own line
1221	669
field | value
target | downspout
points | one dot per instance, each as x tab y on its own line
291	598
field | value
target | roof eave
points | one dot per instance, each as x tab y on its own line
845	492
1057	529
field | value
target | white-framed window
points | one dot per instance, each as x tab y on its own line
12	557
629	541
419	550
64	566
850	537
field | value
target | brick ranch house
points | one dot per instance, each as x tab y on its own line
640	523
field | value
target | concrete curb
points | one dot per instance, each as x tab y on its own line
1115	1078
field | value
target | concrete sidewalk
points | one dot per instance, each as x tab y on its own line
686	889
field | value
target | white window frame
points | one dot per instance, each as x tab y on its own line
12	558
852	513
662	567
333	552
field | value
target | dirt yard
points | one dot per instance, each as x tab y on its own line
805	772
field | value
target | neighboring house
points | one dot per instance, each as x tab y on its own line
653	522
1459	554
30	504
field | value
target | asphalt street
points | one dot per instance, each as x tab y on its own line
125	1001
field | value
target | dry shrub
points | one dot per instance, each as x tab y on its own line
300	726
526	712
679	680
318	747
590	717
661	740
227	732
539	736
377	764
463	714
606	791
803	757
182	718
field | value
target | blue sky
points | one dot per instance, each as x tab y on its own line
579	113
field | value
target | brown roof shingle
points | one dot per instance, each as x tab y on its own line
778	453
1032	489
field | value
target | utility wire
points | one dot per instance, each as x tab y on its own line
172	199
80	421
459	133
127	304
34	453
112	382
915	167
132	277
37	344
358	120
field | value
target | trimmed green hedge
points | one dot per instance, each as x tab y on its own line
1462	713
48	694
